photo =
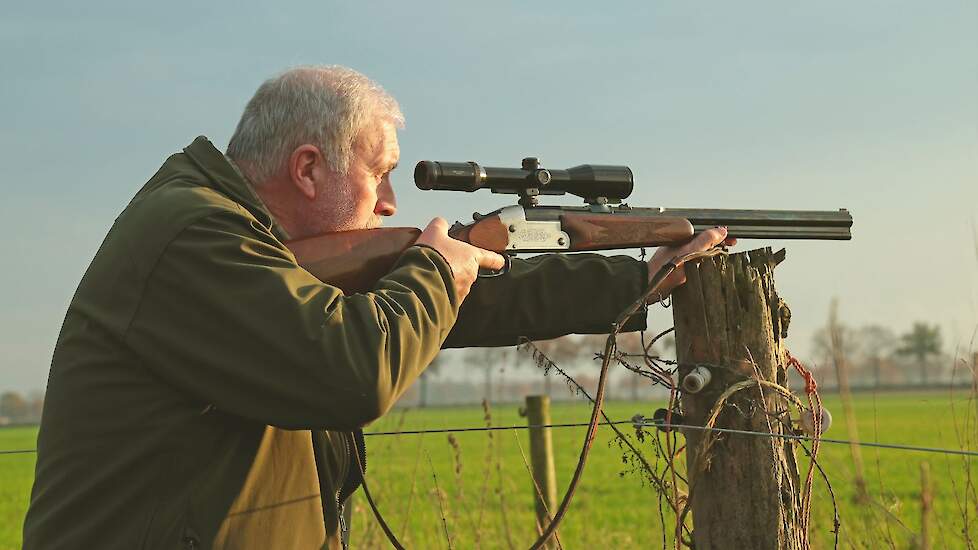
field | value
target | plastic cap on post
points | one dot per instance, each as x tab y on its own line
808	426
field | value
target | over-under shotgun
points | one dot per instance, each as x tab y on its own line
355	260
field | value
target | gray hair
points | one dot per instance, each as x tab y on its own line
326	106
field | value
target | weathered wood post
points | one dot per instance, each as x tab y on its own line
745	490
926	507
541	458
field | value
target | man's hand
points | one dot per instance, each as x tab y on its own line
704	241
464	259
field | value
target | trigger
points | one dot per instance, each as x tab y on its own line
489	273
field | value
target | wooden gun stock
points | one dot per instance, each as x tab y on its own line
353	260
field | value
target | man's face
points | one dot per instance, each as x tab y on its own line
358	199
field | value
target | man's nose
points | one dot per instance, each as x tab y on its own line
386	202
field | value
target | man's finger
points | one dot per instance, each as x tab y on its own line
438	224
715	236
706	240
674	279
491	260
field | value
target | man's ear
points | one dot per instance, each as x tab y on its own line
305	164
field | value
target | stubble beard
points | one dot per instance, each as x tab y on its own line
341	214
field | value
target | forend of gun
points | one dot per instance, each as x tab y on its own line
351	259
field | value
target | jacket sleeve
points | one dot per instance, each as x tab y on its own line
228	316
549	296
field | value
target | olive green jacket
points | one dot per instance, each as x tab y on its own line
196	357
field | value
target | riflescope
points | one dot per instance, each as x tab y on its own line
591	182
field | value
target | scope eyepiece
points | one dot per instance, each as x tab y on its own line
588	181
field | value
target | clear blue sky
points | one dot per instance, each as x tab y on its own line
872	106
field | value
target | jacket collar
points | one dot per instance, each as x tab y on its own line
227	179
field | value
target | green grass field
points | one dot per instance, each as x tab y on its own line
610	510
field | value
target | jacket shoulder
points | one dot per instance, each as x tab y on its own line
167	205
176	196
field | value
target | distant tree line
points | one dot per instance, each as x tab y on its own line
16	408
876	356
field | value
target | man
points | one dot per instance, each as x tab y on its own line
206	391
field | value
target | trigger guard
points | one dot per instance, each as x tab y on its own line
489	274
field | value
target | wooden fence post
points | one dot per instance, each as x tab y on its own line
926	507
542	458
729	316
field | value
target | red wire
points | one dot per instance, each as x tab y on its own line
811	386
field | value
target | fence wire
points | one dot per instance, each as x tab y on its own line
644	423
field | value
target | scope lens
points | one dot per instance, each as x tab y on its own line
424	174
447	176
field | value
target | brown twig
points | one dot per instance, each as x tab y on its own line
441	504
536	487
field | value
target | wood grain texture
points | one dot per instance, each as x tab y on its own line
353	260
601	231
729	314
489	233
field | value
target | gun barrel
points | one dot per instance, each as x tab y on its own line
770	224
832	225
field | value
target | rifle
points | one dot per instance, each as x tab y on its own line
356	260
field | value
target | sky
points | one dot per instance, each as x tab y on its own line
870	106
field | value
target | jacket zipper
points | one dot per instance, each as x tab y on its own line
344	528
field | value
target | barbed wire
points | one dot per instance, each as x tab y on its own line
644	423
